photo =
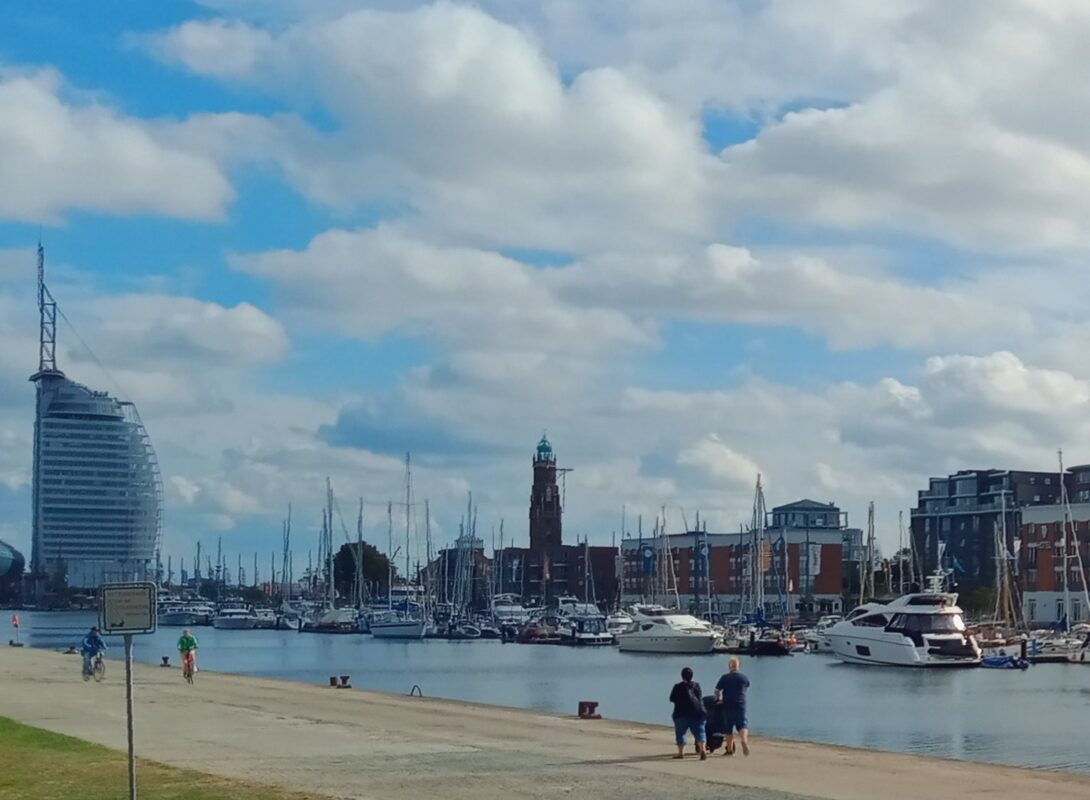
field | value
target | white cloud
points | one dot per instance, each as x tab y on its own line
57	156
371	282
166	327
715	460
465	119
848	308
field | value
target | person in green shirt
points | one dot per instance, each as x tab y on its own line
187	646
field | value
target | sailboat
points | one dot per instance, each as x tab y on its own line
399	624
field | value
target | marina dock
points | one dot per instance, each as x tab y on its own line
359	744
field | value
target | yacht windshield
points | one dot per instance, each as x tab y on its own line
929	623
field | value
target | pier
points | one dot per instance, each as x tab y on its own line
359	744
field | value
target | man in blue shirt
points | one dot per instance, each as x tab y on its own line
90	647
730	692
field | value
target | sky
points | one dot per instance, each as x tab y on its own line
841	245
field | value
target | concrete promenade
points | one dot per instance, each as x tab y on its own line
356	744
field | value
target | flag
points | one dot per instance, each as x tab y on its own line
648	560
700	559
15	620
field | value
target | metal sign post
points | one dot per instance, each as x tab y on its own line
128	609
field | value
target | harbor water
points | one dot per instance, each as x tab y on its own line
1037	718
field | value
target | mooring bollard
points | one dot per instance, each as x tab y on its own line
588	709
344	682
166	661
333	681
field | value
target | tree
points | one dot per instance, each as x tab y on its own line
375	568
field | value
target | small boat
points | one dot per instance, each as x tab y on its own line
235	619
538	633
816	639
392	625
266	618
463	632
584	631
331	620
1082	655
1003	661
489	631
618	622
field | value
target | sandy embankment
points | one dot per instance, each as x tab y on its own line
370	745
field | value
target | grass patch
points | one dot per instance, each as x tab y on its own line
36	764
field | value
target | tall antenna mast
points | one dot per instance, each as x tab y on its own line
47	311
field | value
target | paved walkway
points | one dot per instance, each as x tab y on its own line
356	744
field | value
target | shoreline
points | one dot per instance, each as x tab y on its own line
374	744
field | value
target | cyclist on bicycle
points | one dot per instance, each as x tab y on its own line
91	646
187	646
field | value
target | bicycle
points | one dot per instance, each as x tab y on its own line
188	666
96	669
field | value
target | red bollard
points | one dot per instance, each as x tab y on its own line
588	709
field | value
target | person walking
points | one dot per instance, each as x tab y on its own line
730	692
689	714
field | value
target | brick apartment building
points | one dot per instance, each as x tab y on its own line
1040	551
810	576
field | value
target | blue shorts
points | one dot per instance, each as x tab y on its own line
734	719
693	724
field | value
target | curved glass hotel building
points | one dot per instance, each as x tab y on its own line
97	494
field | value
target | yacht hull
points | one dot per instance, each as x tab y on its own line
234	624
627	643
855	649
398	630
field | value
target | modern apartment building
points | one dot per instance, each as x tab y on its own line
956	518
97	495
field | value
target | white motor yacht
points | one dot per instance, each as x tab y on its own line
917	630
507	609
176	613
235	619
655	629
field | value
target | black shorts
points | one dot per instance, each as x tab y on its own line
734	719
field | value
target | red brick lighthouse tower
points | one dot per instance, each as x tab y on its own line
545	515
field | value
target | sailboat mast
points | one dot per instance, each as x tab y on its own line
408	517
359	557
390	559
1066	545
1068	516
329	541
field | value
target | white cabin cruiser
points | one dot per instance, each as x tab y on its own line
584	630
507	608
656	629
917	630
235	619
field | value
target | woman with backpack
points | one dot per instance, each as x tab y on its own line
689	714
